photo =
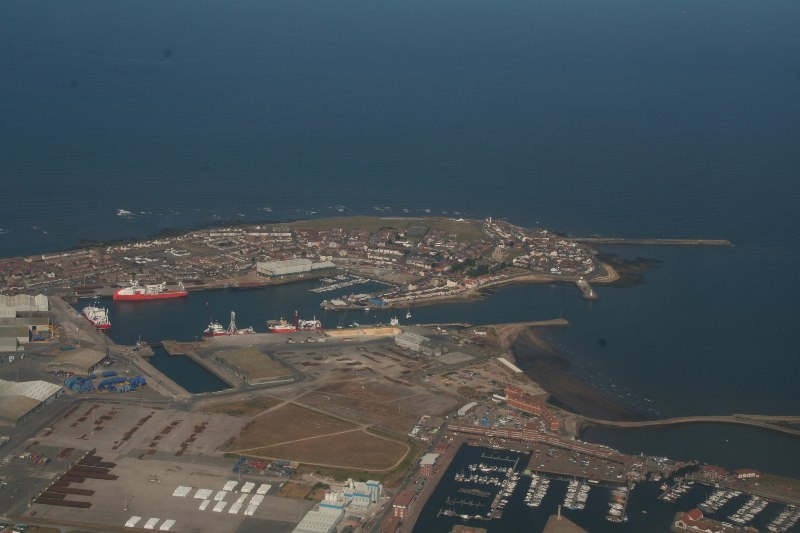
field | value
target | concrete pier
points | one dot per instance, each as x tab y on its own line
587	292
178	349
647	242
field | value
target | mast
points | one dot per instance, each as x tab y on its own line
232	326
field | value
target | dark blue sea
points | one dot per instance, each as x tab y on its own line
655	119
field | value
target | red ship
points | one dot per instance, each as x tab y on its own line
150	292
98	316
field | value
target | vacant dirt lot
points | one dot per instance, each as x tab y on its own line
297	434
355	450
287	423
252	363
295	490
379	401
249	407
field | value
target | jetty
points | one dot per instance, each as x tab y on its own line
774	423
561	524
587	292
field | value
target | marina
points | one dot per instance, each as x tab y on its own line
339	282
597	507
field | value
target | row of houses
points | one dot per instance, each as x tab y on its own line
438	256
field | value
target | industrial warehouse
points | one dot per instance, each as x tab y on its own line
23	319
20	400
291	267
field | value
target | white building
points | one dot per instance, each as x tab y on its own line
417	343
361	495
291	266
282	268
467	408
325	518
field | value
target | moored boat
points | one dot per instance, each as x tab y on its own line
280	326
215	329
297	324
157	291
98	316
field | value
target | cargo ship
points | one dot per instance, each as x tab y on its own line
215	329
98	316
297	324
158	291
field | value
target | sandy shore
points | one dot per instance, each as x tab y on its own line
542	363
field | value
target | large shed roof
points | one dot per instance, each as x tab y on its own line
408	336
8	344
80	360
13	407
37	390
25	302
14	331
25	321
285	263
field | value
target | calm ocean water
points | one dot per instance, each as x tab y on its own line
663	119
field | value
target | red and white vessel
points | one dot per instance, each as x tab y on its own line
98	316
158	291
297	324
309	325
215	329
280	326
